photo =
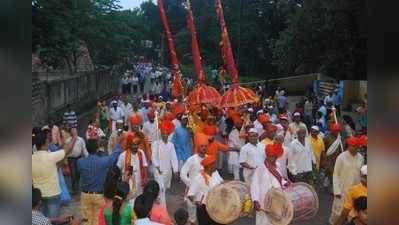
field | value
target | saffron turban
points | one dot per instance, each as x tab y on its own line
263	118
136	120
275	150
363	140
168	116
352	141
130	138
178	109
237	120
208	161
201	139
335	128
167	127
151	114
210	130
271	128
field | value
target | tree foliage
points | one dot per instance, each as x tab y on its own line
268	37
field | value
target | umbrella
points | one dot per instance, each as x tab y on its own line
236	95
202	93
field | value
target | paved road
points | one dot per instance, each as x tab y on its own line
175	195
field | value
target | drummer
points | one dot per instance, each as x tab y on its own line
200	186
266	177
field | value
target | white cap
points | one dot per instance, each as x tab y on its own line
252	130
184	116
46	127
315	128
119	121
114	102
363	170
297	114
250	109
259	111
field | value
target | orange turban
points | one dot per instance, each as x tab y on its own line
208	161
179	108
136	120
168	116
275	150
151	114
335	128
363	140
352	141
271	128
167	127
201	139
263	118
237	120
210	130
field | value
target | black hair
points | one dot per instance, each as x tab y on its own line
349	121
36	197
122	190
40	139
142	206
360	204
111	180
92	146
151	190
181	216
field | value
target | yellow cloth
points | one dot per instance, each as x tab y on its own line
160	105
89	207
266	141
317	145
44	172
354	192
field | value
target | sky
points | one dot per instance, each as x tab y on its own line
130	4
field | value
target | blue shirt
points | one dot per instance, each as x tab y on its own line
282	101
183	145
93	170
165	95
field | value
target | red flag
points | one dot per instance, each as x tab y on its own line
226	46
177	87
194	44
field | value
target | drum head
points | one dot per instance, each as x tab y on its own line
280	205
223	204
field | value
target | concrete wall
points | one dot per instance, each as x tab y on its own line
50	96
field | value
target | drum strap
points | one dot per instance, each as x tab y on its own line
272	169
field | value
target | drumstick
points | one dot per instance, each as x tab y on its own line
336	122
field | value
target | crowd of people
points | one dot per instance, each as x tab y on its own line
136	147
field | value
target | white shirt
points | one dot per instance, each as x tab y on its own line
199	190
151	132
134	162
262	182
164	156
146	221
191	168
127	110
251	154
235	142
346	172
79	148
259	127
301	156
116	114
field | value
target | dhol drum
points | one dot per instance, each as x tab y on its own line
297	202
228	201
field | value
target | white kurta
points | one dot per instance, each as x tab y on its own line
115	115
135	163
282	162
235	142
190	170
151	132
199	189
127	110
300	156
346	174
259	127
252	155
262	182
164	157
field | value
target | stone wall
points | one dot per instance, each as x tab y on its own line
51	96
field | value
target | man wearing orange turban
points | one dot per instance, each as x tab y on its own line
135	159
268	136
346	174
235	142
200	187
164	159
136	120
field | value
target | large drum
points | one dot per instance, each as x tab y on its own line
228	201
298	202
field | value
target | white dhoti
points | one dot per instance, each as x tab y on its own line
192	211
262	219
234	166
248	176
164	180
336	209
